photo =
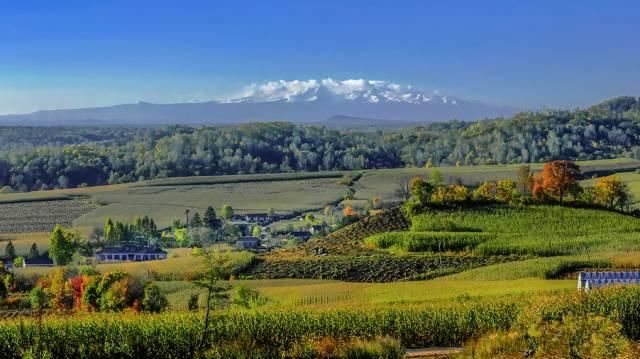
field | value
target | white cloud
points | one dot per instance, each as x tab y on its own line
351	89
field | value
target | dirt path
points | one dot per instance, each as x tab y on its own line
432	352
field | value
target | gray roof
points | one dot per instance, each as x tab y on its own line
38	261
131	249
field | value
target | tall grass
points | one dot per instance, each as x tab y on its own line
428	241
276	332
175	335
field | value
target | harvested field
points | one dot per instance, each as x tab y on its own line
29	217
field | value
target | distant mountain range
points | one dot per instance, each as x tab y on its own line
348	103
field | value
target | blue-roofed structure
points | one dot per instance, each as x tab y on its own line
588	280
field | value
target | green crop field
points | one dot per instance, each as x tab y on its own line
541	230
441	277
314	294
167	199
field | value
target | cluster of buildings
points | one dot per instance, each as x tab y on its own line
245	222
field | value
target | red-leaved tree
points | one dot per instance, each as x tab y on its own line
558	177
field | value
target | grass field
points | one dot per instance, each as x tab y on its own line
384	182
39	211
28	217
166	203
180	265
306	294
492	253
167	199
632	179
23	241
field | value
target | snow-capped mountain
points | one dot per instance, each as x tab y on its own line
354	90
300	101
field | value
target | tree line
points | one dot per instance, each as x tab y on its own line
556	183
33	158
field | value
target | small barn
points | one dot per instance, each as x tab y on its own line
588	280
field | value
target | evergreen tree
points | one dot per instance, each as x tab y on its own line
33	252
210	217
108	231
9	251
196	221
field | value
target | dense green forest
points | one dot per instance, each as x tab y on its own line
33	158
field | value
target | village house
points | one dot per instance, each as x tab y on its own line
248	243
130	253
260	218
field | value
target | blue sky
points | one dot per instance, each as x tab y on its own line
61	54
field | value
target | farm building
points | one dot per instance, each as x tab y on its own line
248	243
130	253
37	262
588	280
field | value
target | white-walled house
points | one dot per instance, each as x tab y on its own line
130	253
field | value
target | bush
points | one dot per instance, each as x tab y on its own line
18	262
380	347
153	300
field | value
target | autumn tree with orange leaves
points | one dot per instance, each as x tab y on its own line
558	177
348	211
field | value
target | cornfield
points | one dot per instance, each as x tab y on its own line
428	241
538	230
176	335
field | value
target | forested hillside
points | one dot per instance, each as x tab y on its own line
33	158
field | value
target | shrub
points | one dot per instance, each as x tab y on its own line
379	347
18	262
153	300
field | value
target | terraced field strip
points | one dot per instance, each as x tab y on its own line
228	179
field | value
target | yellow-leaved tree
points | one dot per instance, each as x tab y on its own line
611	192
485	192
504	190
